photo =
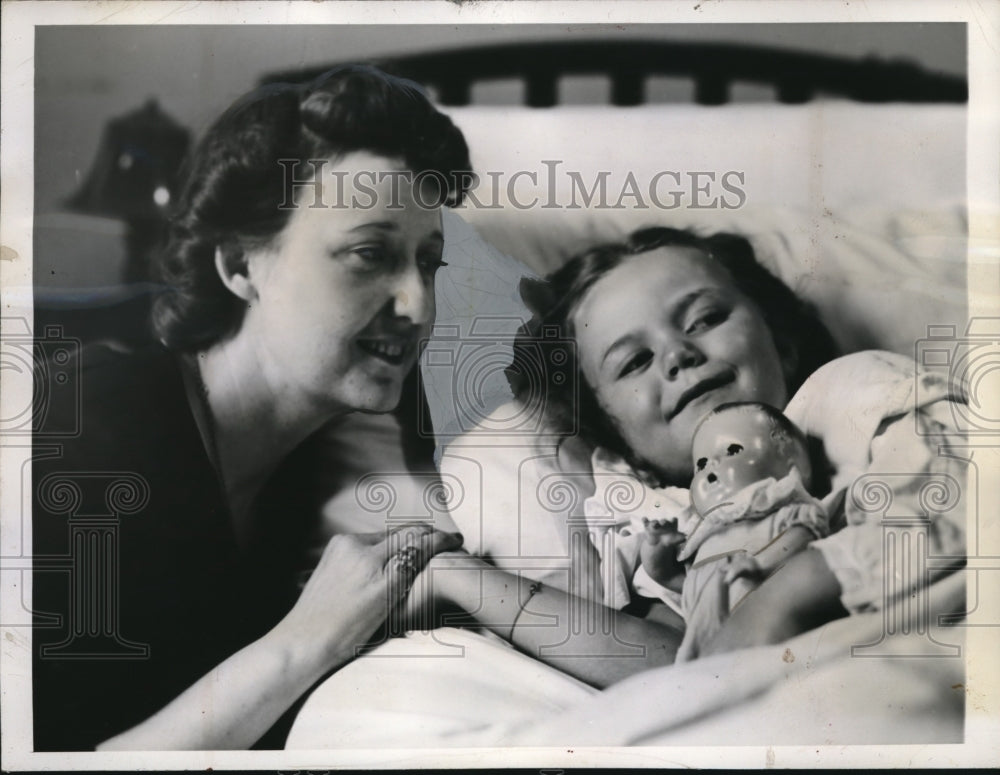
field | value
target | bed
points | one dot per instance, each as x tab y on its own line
852	189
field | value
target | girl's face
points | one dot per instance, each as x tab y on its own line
734	449
344	296
663	339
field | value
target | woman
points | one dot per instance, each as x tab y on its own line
300	271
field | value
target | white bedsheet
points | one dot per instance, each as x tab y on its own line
811	690
429	690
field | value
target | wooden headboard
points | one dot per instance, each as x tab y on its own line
795	76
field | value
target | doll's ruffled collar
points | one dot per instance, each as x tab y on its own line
755	501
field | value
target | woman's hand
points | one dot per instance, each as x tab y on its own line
359	581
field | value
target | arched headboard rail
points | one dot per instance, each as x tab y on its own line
795	76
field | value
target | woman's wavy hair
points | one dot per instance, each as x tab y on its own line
546	346
239	180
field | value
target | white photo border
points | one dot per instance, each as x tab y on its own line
16	220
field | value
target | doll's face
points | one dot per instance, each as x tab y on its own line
736	448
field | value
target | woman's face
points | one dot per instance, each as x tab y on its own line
345	295
663	339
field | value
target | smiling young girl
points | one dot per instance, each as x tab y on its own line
667	327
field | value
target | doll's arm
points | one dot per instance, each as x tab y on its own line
658	552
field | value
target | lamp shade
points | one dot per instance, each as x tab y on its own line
135	173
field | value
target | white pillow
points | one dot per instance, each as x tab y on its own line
520	506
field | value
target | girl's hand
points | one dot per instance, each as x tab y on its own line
433	587
359	581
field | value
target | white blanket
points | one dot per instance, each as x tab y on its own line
818	688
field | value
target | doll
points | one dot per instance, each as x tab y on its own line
750	511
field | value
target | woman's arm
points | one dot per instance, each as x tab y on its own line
231	707
351	592
583	638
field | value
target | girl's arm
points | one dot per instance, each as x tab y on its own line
583	638
802	594
805	593
345	600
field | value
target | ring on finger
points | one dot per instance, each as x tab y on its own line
406	560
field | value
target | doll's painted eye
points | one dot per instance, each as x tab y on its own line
702	462
734	449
